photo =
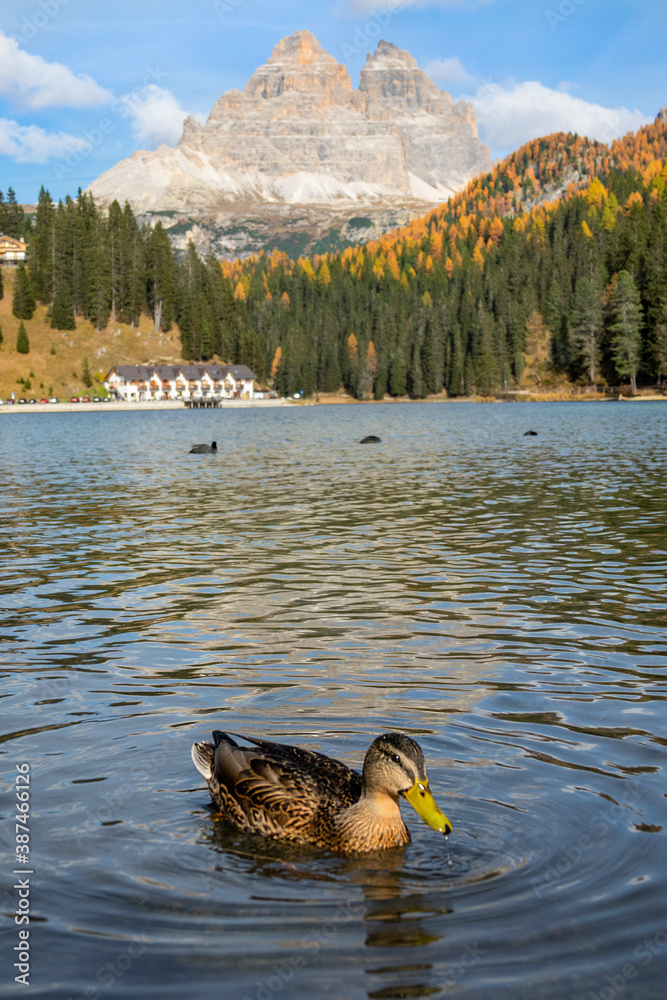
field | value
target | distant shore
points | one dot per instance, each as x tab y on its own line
117	407
322	399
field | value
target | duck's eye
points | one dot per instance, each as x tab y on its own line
396	759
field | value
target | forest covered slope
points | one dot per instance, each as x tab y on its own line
550	268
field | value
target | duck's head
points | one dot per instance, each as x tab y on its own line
394	765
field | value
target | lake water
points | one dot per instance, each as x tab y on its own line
499	597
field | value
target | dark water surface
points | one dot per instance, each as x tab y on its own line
499	597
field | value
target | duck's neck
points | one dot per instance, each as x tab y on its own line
381	804
375	818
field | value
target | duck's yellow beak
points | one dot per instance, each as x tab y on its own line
423	803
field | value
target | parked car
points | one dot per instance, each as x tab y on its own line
43	400
32	402
74	399
54	399
22	400
84	399
96	399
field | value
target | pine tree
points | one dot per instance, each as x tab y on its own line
86	376
380	387
159	277
24	304
0	336
415	379
398	372
12	217
42	248
625	326
487	372
455	384
98	278
557	323
432	357
62	312
586	326
135	264
22	342
117	250
469	383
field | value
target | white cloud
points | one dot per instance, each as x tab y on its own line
156	115
31	144
510	115
448	71
31	82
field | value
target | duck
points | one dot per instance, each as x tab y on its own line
297	795
203	449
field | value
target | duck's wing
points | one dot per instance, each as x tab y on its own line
279	789
330	775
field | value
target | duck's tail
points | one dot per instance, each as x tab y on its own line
202	758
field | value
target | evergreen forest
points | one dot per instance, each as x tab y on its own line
553	265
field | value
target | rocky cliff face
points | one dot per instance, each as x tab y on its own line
300	134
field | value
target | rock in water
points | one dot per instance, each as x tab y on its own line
370	439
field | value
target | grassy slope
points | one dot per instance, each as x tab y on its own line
60	373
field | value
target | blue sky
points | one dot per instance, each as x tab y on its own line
85	83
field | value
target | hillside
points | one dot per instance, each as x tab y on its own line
55	363
519	276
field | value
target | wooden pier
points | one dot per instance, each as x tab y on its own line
211	403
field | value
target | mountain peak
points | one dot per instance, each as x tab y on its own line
389	56
392	77
299	133
302	48
299	64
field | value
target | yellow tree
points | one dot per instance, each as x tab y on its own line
496	231
324	275
306	267
275	364
371	357
392	264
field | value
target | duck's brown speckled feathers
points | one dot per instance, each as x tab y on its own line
278	790
305	797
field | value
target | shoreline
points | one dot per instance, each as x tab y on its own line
328	400
149	404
